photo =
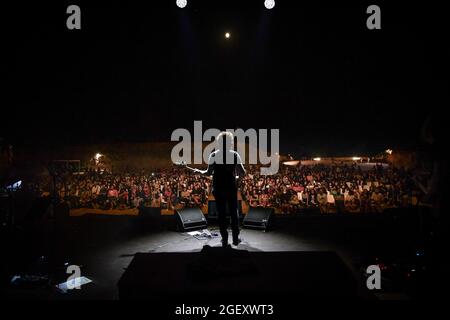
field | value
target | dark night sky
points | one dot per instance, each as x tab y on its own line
138	70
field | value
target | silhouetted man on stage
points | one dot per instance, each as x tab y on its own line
225	165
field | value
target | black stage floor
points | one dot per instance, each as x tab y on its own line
295	255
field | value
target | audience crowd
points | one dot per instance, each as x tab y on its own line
328	188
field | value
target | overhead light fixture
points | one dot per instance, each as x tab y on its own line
181	3
269	4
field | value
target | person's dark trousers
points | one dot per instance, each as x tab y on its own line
224	197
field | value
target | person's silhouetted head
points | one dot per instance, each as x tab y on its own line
225	141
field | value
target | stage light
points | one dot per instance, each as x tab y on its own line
269	4
291	163
227	35
15	186
97	158
317	159
181	3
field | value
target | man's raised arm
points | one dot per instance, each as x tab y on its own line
209	170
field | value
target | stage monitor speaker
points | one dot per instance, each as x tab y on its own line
258	217
190	219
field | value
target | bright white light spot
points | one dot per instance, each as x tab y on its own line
269	4
227	35
389	151
78	282
14	186
317	159
181	3
356	158
291	163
